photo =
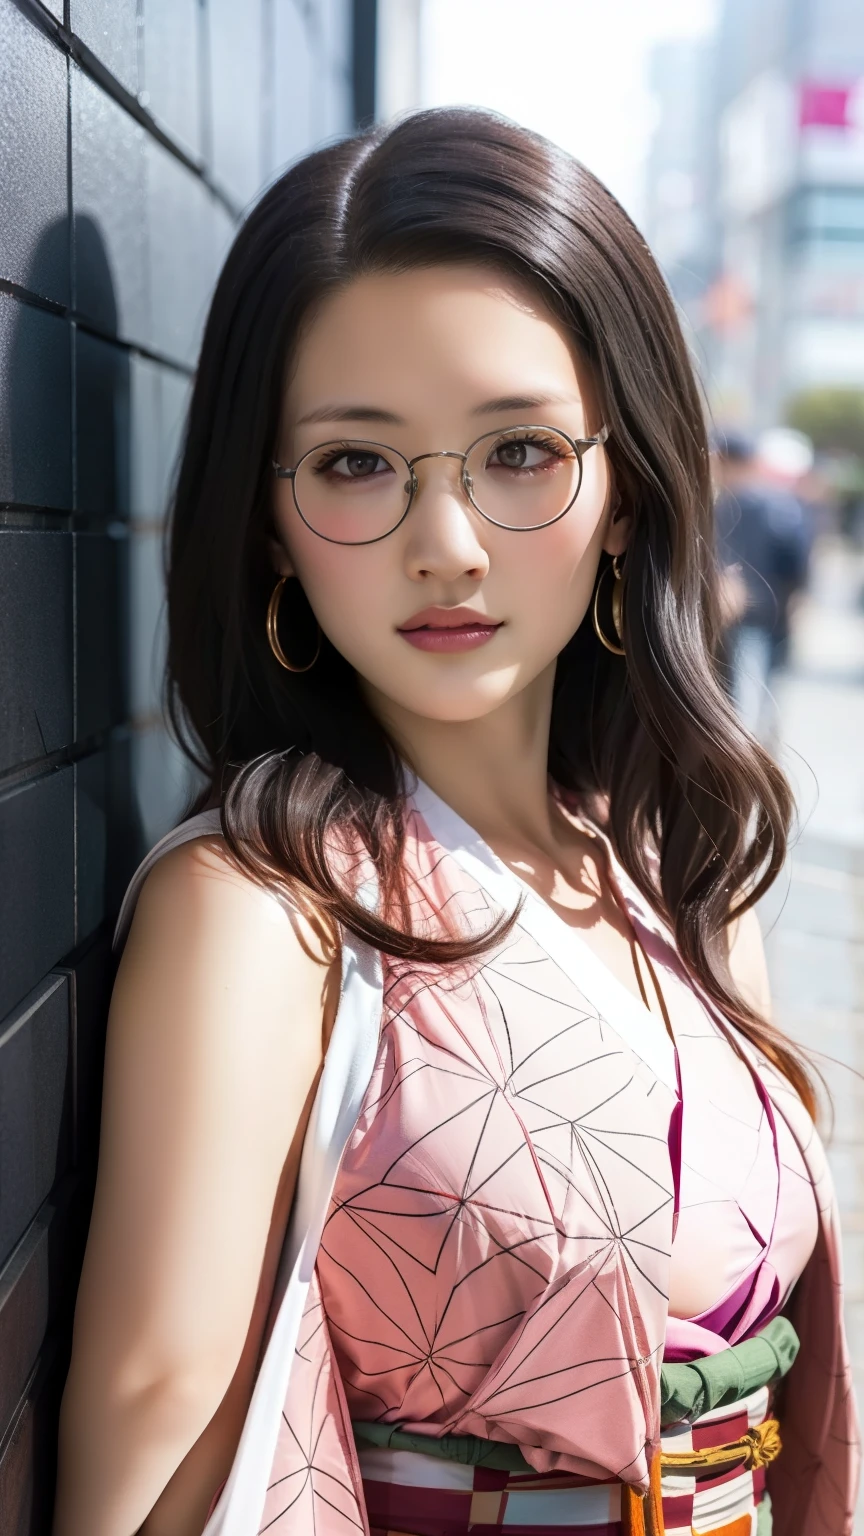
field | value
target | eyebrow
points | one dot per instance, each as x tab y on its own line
497	407
504	403
352	413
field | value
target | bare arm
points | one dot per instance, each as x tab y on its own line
214	1043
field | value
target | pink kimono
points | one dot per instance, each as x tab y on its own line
481	1243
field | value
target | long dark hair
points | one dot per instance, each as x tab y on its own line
697	812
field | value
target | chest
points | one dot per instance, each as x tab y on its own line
508	1141
511	1132
534	1145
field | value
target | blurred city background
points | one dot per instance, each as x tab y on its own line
135	133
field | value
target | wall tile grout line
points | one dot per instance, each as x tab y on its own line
13	779
21	1016
18	517
91	327
70	44
74	1053
23	518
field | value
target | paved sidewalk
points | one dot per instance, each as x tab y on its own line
813	919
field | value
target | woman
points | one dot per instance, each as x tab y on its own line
481	827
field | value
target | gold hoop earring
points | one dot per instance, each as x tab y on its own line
617	611
273	637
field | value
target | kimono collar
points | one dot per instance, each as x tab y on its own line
642	1030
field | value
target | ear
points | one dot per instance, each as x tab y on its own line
619	524
279	558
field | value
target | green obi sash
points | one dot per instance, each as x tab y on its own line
717	1381
686	1392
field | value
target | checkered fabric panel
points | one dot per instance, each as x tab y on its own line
414	1495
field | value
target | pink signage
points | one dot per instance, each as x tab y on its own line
824	106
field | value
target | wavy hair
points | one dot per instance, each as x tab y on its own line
698	813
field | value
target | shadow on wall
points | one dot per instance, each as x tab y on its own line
70	438
67	450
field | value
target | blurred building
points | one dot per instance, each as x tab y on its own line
678	222
134	134
756	198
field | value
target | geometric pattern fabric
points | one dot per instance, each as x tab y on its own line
496	1256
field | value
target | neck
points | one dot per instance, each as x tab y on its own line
492	770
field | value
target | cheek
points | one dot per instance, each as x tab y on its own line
554	568
551	572
327	572
347	588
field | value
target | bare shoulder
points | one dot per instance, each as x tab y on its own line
203	930
747	961
198	881
200	887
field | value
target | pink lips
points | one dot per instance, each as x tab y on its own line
446	630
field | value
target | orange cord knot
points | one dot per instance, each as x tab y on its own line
766	1443
644	1516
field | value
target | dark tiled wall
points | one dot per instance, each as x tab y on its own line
133	134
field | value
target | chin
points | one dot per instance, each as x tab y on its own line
455	706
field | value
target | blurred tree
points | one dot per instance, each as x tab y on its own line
832	418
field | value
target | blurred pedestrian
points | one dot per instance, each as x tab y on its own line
763	543
785	461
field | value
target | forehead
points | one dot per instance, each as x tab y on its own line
459	328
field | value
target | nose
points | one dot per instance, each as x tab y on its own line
442	536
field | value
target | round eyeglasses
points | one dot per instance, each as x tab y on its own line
357	492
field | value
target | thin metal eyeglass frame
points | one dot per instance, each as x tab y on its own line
580	446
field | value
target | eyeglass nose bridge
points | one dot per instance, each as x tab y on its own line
441	453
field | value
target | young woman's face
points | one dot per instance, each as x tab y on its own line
449	616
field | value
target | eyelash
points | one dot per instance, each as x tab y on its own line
536	440
333	457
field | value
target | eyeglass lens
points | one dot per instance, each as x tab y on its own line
353	492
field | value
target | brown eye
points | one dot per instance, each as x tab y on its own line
352	464
359	465
521	455
512	455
